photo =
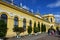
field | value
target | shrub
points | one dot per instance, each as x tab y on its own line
3	28
29	30
18	30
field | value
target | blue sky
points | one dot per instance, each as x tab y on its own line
44	6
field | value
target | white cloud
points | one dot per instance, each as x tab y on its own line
57	15
57	18
56	4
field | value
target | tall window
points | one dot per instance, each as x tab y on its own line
15	22
30	23
24	24
4	17
51	19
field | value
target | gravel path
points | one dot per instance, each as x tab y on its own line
37	37
49	38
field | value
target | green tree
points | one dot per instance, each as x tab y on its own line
29	30
42	30
3	28
38	27
34	24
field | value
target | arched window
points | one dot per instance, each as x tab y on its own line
4	17
51	19
30	23
15	22
24	24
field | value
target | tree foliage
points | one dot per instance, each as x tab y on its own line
43	27
38	27
18	30
29	30
34	24
3	28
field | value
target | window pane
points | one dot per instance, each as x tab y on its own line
51	19
15	21
4	17
24	24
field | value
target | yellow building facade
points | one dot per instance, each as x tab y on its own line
12	12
